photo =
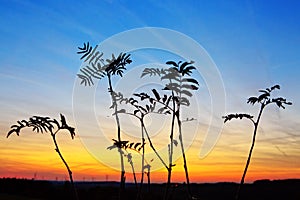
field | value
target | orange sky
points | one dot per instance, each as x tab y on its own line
33	153
254	45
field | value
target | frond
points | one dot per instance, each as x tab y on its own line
172	63
190	80
90	72
189	87
41	124
263	96
95	66
118	65
280	102
120	144
184	101
85	50
236	116
252	100
153	72
275	87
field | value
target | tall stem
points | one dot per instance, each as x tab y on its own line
251	150
115	105
148	178
181	144
67	166
171	150
134	175
153	148
184	156
143	160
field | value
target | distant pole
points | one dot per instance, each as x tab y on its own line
106	178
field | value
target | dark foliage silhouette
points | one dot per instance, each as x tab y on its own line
127	146
97	68
139	111
181	85
263	100
46	124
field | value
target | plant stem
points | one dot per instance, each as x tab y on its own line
153	148
134	176
115	105
67	166
184	157
148	176
250	152
143	159
166	195
181	144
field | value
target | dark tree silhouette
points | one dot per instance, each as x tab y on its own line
263	99
97	68
46	124
180	83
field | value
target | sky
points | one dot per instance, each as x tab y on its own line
245	46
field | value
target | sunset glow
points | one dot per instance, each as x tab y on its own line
253	45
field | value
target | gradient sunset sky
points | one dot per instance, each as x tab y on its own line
254	45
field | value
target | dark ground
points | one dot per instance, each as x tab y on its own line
23	189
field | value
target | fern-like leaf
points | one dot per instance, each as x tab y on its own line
236	116
153	72
41	124
252	100
85	50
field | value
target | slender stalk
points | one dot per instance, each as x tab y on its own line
148	177
144	131
250	152
149	140
67	166
182	146
153	148
134	175
143	160
114	102
166	195
184	157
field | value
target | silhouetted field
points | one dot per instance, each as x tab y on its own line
23	189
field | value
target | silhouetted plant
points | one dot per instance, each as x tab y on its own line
126	145
97	68
46	124
263	99
180	83
139	112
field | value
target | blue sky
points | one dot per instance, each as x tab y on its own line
254	44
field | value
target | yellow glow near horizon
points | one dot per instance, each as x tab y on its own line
33	153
